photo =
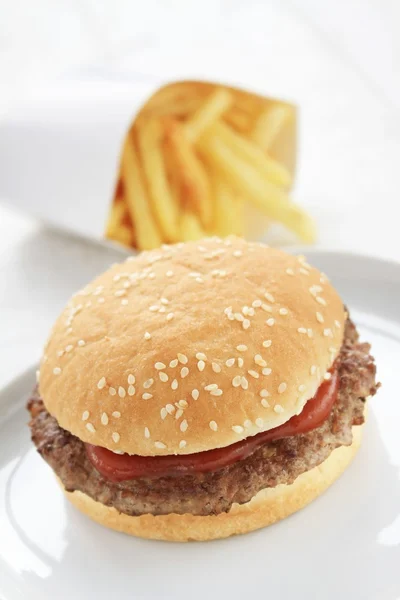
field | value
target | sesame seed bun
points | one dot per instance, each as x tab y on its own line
266	507
191	347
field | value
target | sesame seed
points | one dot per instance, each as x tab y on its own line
256	303
302	388
230	362
112	391
304	271
182	443
269	297
247	423
131	390
278	409
170	316
246	324
217	392
266	308
239	317
195	394
148	383
251	312
266	371
60	353
282	387
162	309
283	311
231	317
179	413
163	413
258	359
170	408
104	419
169	273
337	324
121	392
264	403
124	302
244	383
101	300
116	437
302	330
119	293
264	393
241	348
228	310
215	367
201	356
56	370
328	332
194	274
313	370
160	365
164	301
147	335
147	396
253	374
85	415
267	343
182	404
213	425
290	271
320	318
200	365
237	429
321	300
163	376
182	358
236	381
309	332
327	376
259	422
116	414
146	432
183	426
237	253
199	280
160	445
90	428
101	383
270	322
131	379
173	363
185	372
174	384
154	308
240	362
212	386
69	348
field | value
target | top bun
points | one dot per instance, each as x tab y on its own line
191	347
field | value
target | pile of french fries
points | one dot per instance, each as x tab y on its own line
196	157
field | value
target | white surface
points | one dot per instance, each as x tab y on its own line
346	53
346	544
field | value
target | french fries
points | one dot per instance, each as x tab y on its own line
147	233
194	182
165	209
197	157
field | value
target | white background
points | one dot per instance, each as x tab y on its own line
339	60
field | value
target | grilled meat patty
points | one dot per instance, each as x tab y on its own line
273	463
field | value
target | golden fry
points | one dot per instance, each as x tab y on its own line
228	209
194	183
190	228
275	132
147	234
212	108
116	229
252	184
150	139
246	150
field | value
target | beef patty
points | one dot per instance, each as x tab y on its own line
280	461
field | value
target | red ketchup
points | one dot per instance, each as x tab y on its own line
120	467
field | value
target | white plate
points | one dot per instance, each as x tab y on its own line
344	545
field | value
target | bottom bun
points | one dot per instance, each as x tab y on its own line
266	507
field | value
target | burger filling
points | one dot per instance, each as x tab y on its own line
208	483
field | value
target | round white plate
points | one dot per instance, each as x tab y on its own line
346	544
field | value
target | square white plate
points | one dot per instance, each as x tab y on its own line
346	544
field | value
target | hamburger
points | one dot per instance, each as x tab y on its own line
201	390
